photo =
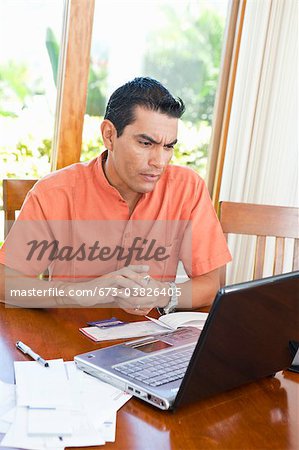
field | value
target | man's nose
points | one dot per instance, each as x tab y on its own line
158	158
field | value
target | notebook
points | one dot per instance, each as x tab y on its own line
248	335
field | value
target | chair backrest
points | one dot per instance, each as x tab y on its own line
14	193
263	221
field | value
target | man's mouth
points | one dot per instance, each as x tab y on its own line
150	176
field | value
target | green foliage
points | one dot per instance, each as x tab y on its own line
29	156
15	88
53	52
96	92
195	158
26	160
185	56
97	80
45	148
14	76
91	149
22	162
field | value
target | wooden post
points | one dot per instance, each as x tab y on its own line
72	81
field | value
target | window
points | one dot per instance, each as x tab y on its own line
179	43
27	86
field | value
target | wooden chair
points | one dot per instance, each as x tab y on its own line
262	221
14	193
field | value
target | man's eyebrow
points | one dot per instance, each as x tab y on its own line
150	139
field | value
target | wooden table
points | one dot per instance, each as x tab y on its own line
262	415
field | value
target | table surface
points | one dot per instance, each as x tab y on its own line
261	415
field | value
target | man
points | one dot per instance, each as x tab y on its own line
118	226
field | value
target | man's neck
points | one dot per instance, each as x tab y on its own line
130	197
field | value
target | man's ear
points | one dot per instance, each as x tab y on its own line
109	133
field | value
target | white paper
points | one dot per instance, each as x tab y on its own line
91	413
9	416
17	435
7	403
134	329
108	429
185	319
97	399
147	328
7	397
4	426
49	422
6	420
84	433
40	386
160	323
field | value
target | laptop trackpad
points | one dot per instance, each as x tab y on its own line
163	341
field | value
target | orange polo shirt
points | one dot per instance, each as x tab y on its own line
87	225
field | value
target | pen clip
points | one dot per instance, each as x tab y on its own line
22	347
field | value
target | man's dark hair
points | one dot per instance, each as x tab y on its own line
145	92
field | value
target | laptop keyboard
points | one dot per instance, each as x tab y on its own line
158	369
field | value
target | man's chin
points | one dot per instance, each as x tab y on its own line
145	189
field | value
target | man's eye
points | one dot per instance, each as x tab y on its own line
169	147
145	143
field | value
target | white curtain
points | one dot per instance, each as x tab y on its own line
261	161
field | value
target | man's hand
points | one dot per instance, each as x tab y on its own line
195	293
112	287
142	299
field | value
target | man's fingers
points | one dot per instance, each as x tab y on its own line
128	286
136	302
137	275
137	312
124	303
131	309
128	274
140	275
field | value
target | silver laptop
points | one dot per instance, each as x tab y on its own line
248	335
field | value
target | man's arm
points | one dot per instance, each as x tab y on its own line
199	291
193	294
17	289
14	286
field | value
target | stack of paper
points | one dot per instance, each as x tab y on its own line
146	327
132	329
56	407
7	403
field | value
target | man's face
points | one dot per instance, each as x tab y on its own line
141	154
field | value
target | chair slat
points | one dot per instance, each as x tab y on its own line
279	256
296	255
259	257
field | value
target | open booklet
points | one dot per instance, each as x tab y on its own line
181	319
147	327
